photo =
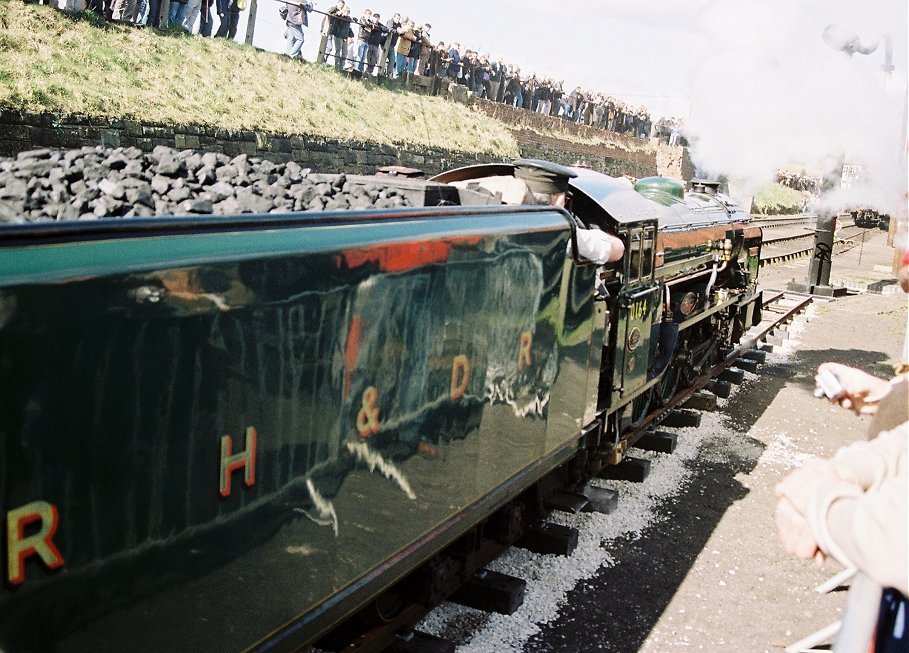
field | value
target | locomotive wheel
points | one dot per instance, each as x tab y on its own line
666	388
640	406
689	375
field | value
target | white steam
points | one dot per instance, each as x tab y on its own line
772	94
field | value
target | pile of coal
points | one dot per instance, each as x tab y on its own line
98	182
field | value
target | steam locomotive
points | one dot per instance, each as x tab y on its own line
869	218
236	433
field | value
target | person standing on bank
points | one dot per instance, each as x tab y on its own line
391	41
205	18
406	39
362	45
327	22
229	15
340	32
296	17
374	41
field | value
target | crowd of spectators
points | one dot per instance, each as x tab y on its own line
800	181
370	46
194	16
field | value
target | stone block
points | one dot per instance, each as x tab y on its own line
682	418
281	145
12	118
491	591
187	142
146	144
635	470
17	132
88	133
55	137
262	140
10	148
459	93
157	132
132	128
659	441
230	148
550	539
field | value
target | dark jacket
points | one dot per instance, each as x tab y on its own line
454	64
339	25
365	29
376	34
417	46
392	39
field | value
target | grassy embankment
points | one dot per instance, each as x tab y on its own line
69	64
774	199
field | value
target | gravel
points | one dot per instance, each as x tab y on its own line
98	182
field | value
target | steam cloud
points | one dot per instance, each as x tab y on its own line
772	94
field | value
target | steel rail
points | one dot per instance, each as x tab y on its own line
746	344
846	242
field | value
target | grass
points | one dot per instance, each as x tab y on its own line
72	64
774	199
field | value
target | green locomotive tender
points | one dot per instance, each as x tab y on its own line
232	433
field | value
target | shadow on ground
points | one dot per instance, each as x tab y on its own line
617	609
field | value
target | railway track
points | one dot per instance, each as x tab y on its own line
395	617
848	237
784	221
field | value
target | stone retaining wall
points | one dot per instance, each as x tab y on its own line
621	155
22	131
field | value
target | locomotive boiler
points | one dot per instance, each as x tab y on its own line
236	433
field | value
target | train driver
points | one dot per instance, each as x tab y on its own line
548	182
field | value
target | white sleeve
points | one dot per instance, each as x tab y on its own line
594	245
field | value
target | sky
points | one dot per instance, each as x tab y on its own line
755	81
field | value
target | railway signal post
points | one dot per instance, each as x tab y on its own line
818	280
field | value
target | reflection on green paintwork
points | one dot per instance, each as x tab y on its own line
389	382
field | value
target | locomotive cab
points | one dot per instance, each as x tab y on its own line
634	295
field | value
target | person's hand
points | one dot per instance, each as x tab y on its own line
861	391
796	492
795	532
801	485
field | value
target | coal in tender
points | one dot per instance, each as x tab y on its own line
125	182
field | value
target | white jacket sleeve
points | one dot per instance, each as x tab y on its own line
862	518
598	246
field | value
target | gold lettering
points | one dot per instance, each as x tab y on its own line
230	462
19	546
524	353
460	376
368	417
